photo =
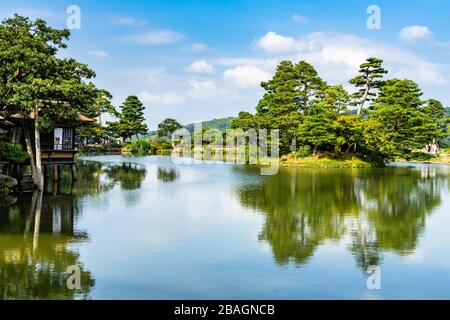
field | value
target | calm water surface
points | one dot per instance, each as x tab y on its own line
145	228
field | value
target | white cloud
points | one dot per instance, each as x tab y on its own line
200	66
167	98
197	47
246	76
337	58
201	89
101	54
272	42
156	37
414	33
296	18
126	21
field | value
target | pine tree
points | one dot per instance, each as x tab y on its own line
436	111
370	74
317	128
308	84
398	122
131	118
287	99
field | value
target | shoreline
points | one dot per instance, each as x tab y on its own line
289	161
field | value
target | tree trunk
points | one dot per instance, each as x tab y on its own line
26	132
37	221
39	181
315	149
363	100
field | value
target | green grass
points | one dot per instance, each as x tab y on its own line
324	161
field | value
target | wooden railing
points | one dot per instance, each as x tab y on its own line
58	147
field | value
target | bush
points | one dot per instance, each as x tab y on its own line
303	152
11	152
141	147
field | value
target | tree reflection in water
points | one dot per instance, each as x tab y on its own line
167	174
38	234
380	209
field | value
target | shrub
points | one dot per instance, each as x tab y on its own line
303	152
11	152
141	147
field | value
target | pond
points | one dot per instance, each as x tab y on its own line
146	228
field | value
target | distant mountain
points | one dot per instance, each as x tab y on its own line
221	124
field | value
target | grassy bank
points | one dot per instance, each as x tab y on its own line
324	161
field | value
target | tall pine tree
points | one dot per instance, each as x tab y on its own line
398	123
131	119
317	128
369	79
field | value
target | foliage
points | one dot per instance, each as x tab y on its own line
396	124
34	75
141	146
220	124
11	152
303	152
368	80
167	127
244	121
131	119
317	128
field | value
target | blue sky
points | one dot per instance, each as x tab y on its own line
198	60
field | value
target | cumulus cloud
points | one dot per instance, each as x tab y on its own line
337	58
414	33
201	88
275	43
167	98
156	37
200	66
245	76
101	54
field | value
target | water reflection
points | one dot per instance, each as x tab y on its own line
36	235
379	209
196	227
167	174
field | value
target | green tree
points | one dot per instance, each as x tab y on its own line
11	152
398	124
95	132
279	107
317	128
308	85
245	121
436	111
349	132
369	79
167	127
39	85
131	119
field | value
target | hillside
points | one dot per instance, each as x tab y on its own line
221	124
